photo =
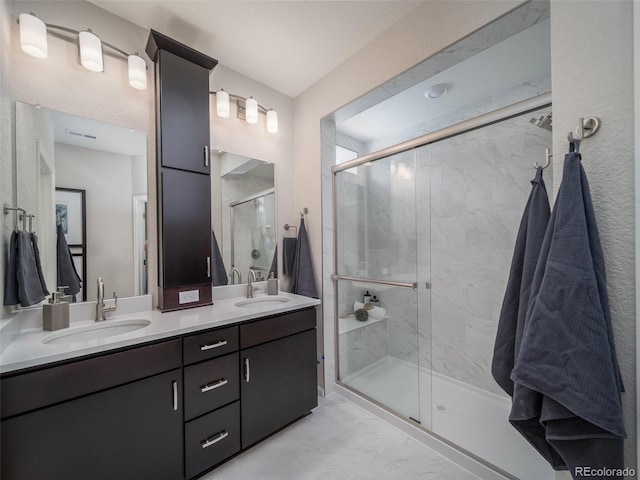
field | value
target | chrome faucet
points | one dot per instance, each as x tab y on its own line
101	308
233	273
250	287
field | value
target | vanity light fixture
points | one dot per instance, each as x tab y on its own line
33	40
248	109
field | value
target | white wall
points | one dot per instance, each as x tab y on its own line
107	179
592	75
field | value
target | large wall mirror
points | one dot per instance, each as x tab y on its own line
244	221
90	177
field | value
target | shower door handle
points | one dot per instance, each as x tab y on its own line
428	285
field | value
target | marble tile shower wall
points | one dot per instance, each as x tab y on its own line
480	182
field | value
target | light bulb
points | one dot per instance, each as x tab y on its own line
251	110
33	35
137	72
272	121
222	104
90	51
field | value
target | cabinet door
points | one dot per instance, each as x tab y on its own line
278	386
129	432
184	113
186	228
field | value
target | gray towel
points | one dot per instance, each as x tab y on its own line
219	273
516	298
36	251
11	277
29	286
289	246
567	396
303	281
67	274
274	263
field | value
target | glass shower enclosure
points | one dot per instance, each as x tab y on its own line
428	229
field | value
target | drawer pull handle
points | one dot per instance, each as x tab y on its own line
175	395
221	343
213	386
206	155
215	439
247	370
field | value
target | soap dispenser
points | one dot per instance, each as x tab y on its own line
55	314
272	284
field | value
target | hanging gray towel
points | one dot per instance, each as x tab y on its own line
303	281
516	298
567	395
67	274
289	246
29	286
274	263
219	273
11	277
36	251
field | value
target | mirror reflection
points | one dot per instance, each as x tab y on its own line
89	177
245	223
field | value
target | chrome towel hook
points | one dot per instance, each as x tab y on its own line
547	160
587	127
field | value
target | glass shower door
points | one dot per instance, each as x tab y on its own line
376	257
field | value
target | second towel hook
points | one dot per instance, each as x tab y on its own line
547	161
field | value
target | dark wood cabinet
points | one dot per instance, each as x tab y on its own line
186	229
161	410
184	188
130	431
279	381
184	113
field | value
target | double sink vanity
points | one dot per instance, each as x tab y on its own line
150	395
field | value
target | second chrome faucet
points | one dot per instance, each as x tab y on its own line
101	308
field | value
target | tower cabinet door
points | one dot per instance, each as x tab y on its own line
186	228
278	385
131	432
183	113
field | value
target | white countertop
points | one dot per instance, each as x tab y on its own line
26	349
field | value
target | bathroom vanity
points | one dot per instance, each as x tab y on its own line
170	404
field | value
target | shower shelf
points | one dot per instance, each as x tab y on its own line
349	323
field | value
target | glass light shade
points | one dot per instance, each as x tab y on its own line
33	36
137	72
90	51
272	121
252	110
222	104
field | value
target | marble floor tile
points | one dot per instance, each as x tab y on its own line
339	441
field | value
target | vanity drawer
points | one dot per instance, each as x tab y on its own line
27	391
211	439
210	344
269	329
210	385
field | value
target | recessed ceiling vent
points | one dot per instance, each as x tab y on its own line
84	135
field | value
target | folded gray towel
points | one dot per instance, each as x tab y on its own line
67	274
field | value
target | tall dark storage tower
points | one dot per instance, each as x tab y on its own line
184	186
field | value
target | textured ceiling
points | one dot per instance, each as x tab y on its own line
287	45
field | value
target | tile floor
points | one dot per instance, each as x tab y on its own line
339	441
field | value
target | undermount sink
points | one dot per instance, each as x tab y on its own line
96	331
262	301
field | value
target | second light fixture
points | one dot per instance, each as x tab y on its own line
248	109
